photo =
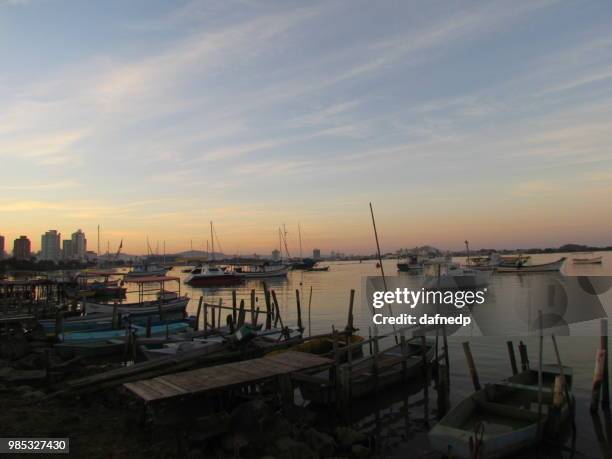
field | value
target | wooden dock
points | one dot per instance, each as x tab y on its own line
227	376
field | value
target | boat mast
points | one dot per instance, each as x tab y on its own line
300	238
285	239
212	240
467	249
280	244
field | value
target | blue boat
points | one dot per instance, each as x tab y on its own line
159	328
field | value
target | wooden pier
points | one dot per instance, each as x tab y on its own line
223	377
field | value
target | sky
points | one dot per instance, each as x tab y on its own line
487	121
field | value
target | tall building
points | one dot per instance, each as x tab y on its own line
79	245
276	254
22	248
67	252
50	246
316	254
1	247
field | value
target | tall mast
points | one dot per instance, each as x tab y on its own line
212	240
300	238
285	239
280	244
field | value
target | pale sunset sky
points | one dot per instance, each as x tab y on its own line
489	121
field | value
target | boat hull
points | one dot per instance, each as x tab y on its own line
555	266
146	308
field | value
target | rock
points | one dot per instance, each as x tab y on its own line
322	443
347	437
288	448
360	451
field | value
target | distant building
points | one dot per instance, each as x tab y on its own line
50	246
91	255
79	245
22	248
316	254
1	247
67	252
276	254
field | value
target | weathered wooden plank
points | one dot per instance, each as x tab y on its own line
224	376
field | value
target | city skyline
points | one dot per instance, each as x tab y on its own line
482	121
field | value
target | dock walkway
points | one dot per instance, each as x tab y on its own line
227	376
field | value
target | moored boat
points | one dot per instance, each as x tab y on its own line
207	275
443	274
318	388
554	266
502	419
588	261
261	271
146	270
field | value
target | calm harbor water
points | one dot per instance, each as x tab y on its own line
329	306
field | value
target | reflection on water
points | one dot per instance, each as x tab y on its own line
395	425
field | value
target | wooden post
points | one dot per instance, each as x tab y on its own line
253	308
597	379
268	307
471	365
198	314
230	323
426	376
524	356
212	316
605	394
278	315
349	322
115	323
241	315
234	317
149	323
205	318
299	310
540	373
309	305
256	318
220	313
512	357
370	339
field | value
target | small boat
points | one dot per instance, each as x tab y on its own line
413	264
588	261
502	418
211	276
318	268
324	345
318	388
303	263
443	274
166	301
146	270
204	345
554	266
261	271
105	335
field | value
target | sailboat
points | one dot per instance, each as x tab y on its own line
301	263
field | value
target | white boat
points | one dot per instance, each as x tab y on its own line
207	275
554	266
502	418
139	308
588	261
442	273
262	271
147	270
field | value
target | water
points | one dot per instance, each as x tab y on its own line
329	306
